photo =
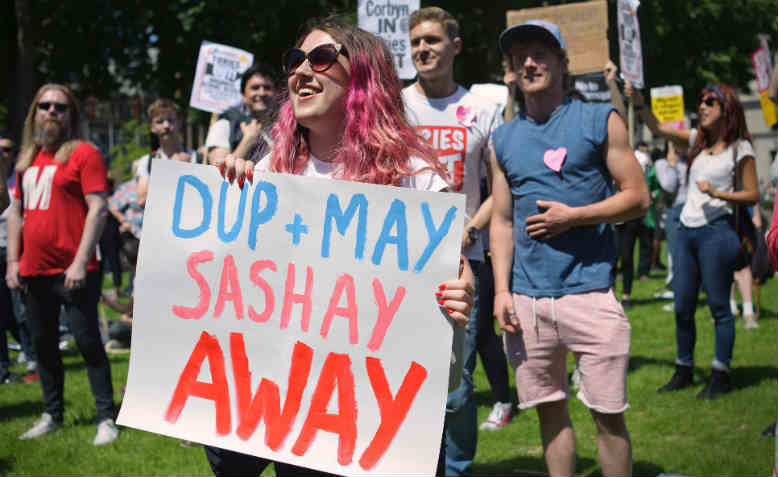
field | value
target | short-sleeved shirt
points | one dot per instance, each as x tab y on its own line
458	127
125	199
55	208
575	134
219	135
427	180
143	168
719	169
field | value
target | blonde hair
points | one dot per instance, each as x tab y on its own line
30	146
163	106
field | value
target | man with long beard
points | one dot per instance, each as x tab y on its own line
60	202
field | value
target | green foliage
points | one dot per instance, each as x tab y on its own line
132	143
701	42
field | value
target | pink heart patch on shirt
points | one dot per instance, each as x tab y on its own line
553	158
465	116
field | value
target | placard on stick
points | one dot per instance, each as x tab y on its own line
294	319
584	27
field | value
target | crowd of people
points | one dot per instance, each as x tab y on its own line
556	199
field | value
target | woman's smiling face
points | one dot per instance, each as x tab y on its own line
319	99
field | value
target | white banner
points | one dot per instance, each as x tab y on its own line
630	48
216	84
294	319
388	19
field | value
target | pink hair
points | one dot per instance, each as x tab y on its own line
378	142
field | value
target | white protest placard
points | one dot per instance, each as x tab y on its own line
294	319
216	84
388	19
667	105
630	49
763	66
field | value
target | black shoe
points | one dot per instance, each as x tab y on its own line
682	378
718	384
626	304
660	266
770	431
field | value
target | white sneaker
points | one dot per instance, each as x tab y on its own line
665	295
501	415
42	426
750	322
107	432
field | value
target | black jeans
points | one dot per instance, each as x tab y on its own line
44	296
631	231
227	463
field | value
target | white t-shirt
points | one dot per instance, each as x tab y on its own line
427	180
142	168
218	135
459	127
718	169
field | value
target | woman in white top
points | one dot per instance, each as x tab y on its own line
345	119
707	246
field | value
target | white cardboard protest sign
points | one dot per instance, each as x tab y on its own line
388	19
630	48
216	84
294	319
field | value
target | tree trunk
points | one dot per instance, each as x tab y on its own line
25	82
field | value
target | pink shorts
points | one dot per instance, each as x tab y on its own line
593	327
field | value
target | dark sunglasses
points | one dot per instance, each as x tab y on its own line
58	107
320	58
709	101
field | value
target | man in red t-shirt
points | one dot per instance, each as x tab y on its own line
59	205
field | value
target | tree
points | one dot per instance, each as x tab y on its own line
695	43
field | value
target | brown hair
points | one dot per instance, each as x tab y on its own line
435	14
734	125
163	106
30	147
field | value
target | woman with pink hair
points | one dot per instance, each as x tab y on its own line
345	119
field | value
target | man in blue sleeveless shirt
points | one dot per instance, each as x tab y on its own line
553	248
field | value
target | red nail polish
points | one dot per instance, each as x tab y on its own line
250	175
221	170
438	294
240	183
450	311
440	302
231	177
442	287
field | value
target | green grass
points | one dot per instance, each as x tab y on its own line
671	433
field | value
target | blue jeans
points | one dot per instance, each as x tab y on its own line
705	255
672	223
461	418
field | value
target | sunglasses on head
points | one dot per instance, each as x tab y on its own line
58	107
320	58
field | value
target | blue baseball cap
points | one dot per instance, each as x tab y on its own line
533	28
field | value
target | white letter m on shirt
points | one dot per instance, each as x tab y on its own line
38	194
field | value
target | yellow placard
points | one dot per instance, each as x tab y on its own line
768	109
667	103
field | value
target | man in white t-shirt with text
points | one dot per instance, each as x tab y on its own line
458	124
